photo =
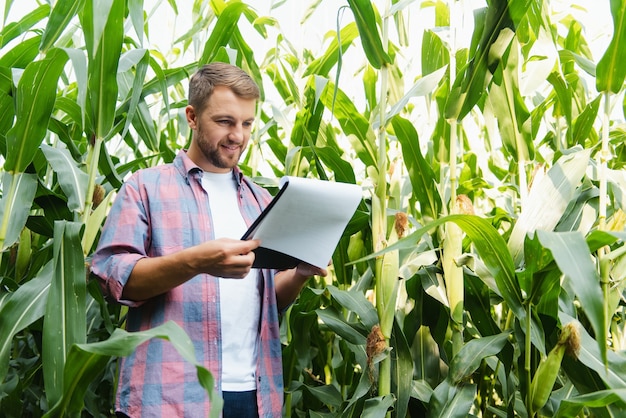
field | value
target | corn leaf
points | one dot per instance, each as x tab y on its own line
339	325
401	369
15	29
610	71
423	179
368	33
62	13
473	353
102	22
509	107
72	179
571	407
86	361
222	32
352	122
355	302
26	305
571	254
22	54
18	192
64	323
36	93
451	401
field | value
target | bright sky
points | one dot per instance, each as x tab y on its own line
165	26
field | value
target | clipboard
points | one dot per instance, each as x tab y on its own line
303	222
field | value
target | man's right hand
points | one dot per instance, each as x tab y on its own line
222	257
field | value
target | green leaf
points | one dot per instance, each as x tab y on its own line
421	174
103	26
571	254
434	53
26	305
571	407
15	29
64	323
368	31
23	54
472	354
322	65
470	84
36	93
402	370
79	64
72	179
222	32
509	108
343	170
583	124
86	361
345	330
378	406
18	192
62	13
352	122
355	302
610	71
451	401
326	394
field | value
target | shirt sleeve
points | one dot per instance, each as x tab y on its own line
124	241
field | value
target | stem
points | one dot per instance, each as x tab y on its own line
603	261
384	378
527	348
384	385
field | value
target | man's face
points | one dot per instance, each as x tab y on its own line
221	131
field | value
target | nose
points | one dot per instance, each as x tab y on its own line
236	132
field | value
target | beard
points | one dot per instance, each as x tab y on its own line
214	153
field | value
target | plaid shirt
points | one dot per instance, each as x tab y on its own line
159	211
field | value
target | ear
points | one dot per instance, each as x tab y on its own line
191	115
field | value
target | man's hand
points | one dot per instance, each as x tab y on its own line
290	282
224	257
308	270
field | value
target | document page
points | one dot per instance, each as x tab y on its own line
304	222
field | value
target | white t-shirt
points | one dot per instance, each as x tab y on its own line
240	301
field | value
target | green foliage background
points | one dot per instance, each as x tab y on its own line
492	220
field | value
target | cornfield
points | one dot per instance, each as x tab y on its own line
483	272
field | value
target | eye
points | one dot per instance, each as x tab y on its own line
247	124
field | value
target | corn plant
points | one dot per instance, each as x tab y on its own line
481	275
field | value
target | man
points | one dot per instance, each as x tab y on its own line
170	250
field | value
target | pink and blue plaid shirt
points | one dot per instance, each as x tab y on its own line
159	211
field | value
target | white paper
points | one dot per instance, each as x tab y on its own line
307	220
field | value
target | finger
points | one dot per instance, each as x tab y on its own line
249	245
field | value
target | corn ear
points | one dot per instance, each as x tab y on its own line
356	247
452	249
548	370
24	252
387	289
